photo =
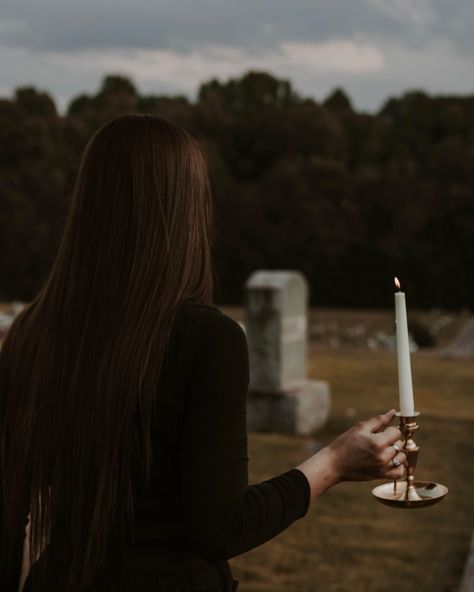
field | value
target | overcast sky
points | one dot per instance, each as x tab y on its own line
373	48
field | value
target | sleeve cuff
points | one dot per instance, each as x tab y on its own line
305	487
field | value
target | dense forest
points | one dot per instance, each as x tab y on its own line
348	198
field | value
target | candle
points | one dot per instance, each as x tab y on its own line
405	386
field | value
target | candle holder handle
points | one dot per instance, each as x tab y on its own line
408	427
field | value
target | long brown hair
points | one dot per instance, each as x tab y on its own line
80	364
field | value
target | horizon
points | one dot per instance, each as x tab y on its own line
61	108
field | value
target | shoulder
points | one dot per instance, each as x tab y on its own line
211	325
215	346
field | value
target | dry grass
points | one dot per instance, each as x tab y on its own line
327	324
348	541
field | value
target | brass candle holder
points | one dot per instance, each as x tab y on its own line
409	493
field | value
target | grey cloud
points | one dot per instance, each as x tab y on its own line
455	21
62	26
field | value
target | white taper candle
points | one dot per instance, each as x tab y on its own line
405	385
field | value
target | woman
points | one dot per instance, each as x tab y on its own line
123	393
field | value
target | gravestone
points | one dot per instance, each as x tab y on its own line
463	345
281	398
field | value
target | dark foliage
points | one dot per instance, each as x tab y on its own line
348	198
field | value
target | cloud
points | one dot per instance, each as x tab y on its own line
186	69
13	26
333	56
367	73
417	13
178	24
371	47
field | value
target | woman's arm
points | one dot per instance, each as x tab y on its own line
320	471
362	453
224	515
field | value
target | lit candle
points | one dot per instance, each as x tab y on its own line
405	386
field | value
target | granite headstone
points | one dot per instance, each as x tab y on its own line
281	398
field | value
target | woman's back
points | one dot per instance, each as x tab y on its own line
198	509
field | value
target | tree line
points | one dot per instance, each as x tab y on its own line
348	198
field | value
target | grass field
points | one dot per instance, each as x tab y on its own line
349	542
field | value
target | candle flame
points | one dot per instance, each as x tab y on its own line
397	282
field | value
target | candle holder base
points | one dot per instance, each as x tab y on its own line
420	495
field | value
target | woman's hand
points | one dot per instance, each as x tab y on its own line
366	451
362	453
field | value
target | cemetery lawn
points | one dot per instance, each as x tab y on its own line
348	541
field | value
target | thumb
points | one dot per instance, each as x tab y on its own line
378	422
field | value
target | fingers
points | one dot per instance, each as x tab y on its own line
398	444
387	453
377	423
395	446
389	436
388	457
399	458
